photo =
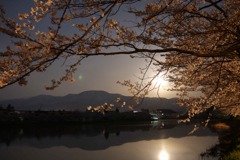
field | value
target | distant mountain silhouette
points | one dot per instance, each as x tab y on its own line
88	98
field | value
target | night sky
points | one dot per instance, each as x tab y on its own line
95	73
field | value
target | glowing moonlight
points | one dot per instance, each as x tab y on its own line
159	81
163	155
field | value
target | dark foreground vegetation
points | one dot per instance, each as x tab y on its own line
228	147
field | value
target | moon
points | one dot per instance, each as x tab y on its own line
160	82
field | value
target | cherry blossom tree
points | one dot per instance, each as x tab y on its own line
195	44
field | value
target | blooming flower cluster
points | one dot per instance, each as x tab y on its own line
195	43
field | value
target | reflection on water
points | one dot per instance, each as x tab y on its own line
165	140
164	155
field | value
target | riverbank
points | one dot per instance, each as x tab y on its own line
28	117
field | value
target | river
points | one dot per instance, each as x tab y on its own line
159	140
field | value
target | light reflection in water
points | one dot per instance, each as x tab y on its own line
163	155
155	141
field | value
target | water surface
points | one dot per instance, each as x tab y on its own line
137	141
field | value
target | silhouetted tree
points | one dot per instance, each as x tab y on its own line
10	108
194	44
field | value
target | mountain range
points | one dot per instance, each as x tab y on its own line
88	98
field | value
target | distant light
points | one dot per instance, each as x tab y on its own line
163	155
80	77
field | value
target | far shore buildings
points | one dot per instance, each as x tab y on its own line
166	113
162	113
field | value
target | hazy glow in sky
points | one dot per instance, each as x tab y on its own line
97	73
